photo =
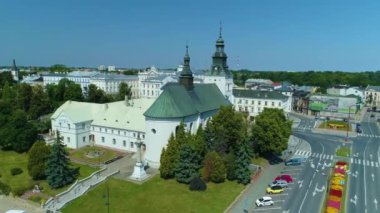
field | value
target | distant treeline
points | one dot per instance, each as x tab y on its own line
323	79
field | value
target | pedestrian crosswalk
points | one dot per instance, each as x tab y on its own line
368	135
313	155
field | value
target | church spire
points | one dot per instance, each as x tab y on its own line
219	58
186	77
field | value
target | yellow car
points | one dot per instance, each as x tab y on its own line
275	190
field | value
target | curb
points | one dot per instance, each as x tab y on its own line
228	209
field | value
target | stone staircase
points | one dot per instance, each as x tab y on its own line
78	189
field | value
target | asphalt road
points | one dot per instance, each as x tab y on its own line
364	189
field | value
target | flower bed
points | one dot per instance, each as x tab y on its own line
338	181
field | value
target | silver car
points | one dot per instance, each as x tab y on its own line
281	183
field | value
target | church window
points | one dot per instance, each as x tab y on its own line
124	143
131	144
102	139
114	141
154	131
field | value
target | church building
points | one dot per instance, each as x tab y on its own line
192	104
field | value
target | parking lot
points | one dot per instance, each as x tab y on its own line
281	198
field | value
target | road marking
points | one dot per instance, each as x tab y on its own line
372	163
323	156
272	208
367	162
359	162
352	160
317	156
285	194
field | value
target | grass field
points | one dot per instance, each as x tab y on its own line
343	151
80	154
335	125
156	195
10	159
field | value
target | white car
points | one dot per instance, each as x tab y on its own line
264	201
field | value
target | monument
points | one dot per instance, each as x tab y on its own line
139	171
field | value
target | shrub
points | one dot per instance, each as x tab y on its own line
4	188
214	168
35	198
16	171
20	190
197	184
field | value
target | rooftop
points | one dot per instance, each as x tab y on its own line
257	94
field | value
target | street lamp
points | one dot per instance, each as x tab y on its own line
348	120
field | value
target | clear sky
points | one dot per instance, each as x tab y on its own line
259	34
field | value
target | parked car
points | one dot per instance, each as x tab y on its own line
264	201
359	129
275	190
281	183
294	162
286	178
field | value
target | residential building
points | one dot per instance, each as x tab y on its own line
372	96
115	125
151	87
333	106
344	90
110	83
253	102
111	68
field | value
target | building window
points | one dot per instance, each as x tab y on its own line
83	125
125	133
102	139
93	128
265	103
253	102
134	134
68	139
68	125
60	124
259	103
131	144
154	131
124	143
100	129
84	138
143	136
112	131
106	129
272	103
114	141
279	104
246	101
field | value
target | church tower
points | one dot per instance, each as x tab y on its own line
15	71
219	58
219	73
186	78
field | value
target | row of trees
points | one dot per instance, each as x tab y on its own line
323	79
224	149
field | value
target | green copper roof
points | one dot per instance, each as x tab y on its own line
177	102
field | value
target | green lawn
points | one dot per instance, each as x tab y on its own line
80	154
343	151
329	125
10	159
156	195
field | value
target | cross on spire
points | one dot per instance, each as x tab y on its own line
220	29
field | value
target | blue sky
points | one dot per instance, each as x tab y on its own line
259	35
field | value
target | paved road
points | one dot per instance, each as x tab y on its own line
364	188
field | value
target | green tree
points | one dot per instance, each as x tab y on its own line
124	90
18	134
242	172
169	158
39	104
59	68
226	131
58	171
271	132
73	92
7	92
188	165
96	95
23	96
37	160
214	168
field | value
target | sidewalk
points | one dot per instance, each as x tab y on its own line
246	201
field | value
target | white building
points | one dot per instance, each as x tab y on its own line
102	68
111	68
109	83
115	125
151	87
254	101
372	96
346	90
